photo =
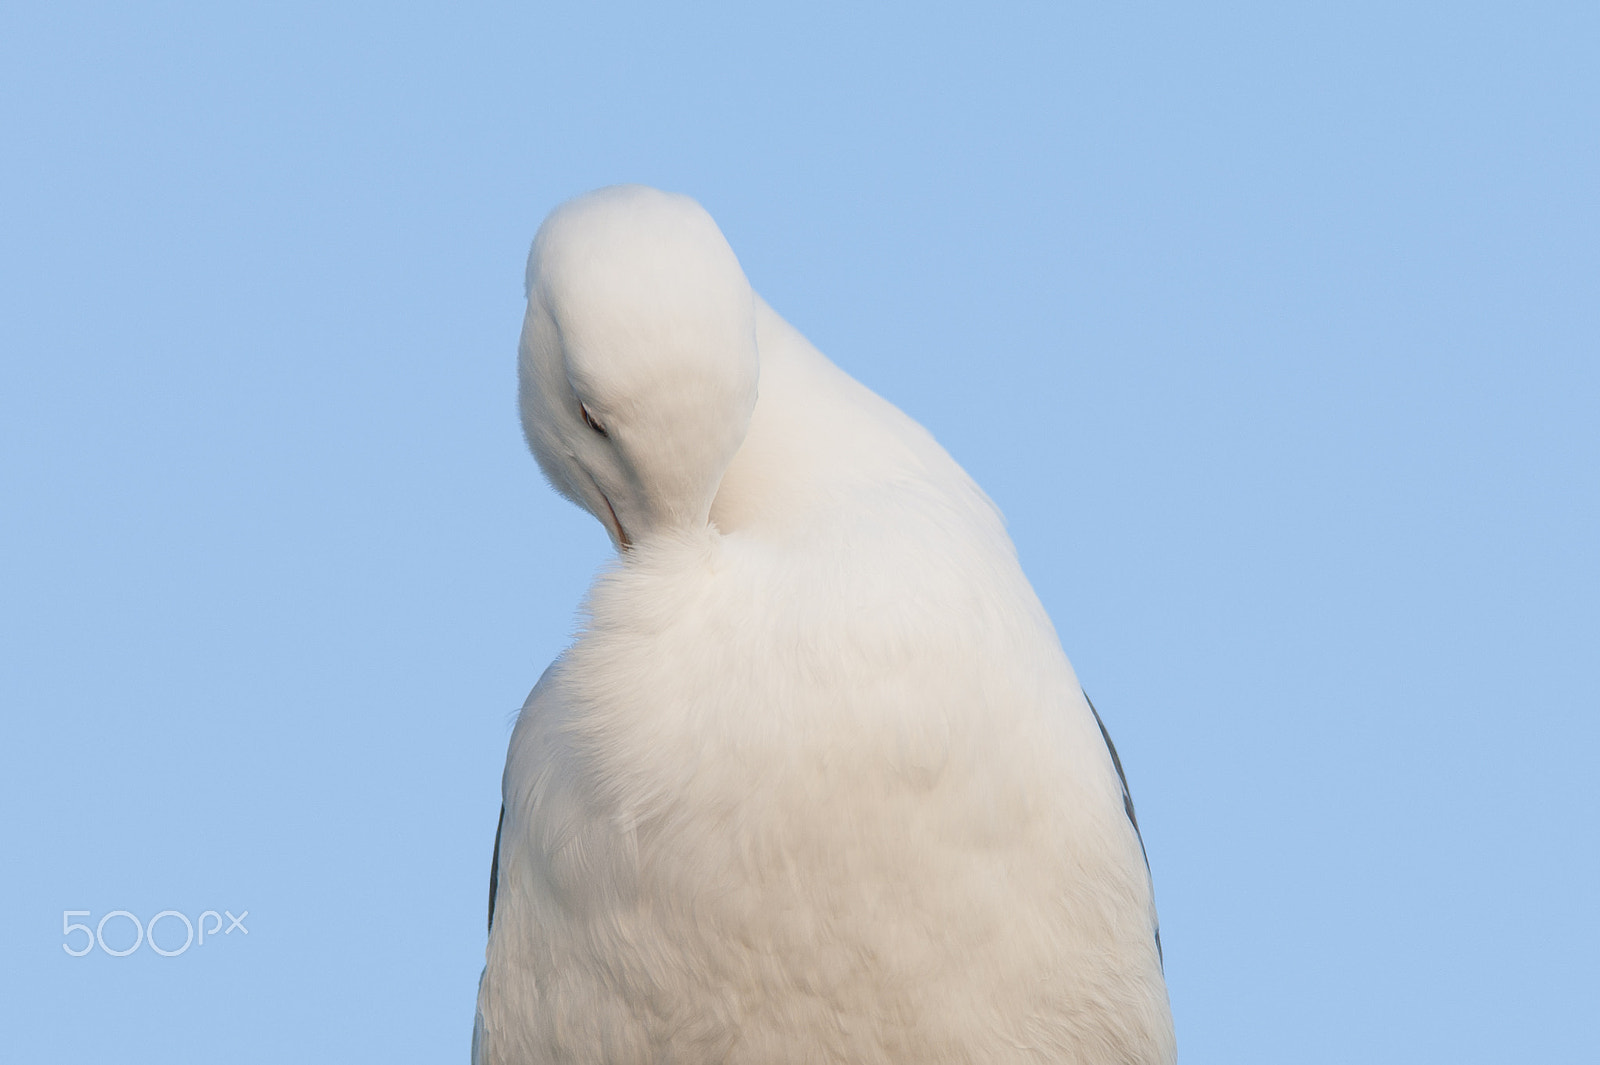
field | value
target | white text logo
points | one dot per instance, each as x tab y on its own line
194	932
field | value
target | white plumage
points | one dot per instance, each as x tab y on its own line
816	782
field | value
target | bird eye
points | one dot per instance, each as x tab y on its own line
588	419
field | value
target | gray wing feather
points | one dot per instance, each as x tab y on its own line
1127	801
494	863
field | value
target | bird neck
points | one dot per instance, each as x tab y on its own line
819	441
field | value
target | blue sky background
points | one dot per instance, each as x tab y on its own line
1273	329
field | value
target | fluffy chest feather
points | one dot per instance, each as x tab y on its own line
742	810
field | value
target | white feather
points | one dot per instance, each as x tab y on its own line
816	782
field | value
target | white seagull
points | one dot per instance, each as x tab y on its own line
815	783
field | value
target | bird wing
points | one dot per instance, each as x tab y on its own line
494	863
1127	801
1127	796
539	694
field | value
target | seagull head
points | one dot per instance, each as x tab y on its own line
637	368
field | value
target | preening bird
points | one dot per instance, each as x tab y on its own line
815	783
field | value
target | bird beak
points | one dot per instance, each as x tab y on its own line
618	533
